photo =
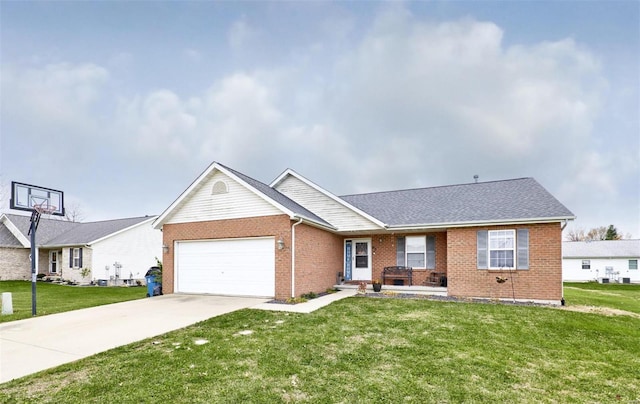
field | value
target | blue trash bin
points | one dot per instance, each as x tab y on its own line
154	281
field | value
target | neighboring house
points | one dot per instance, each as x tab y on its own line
603	261
119	249
230	234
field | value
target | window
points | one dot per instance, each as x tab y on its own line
501	249
75	258
586	264
633	264
416	251
219	188
498	249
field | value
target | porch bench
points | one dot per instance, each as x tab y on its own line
397	272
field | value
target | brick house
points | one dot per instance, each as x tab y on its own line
118	250
230	234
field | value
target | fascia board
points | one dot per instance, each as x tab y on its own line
15	231
326	193
152	218
480	223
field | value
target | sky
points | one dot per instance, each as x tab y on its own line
122	104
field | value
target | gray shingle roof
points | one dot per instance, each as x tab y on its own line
601	249
279	197
7	239
52	232
508	200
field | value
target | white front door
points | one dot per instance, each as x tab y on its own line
361	260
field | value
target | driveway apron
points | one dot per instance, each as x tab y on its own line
31	345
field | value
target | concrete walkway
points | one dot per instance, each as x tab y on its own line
31	345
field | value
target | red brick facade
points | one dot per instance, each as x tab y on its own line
542	281
318	259
319	256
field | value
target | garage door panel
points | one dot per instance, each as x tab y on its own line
233	267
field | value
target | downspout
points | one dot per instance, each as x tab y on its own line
293	257
566	222
562	302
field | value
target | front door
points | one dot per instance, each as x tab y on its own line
53	262
361	260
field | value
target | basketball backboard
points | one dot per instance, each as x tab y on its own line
26	197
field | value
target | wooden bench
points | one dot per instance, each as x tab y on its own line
397	272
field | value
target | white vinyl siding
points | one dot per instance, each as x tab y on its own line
237	202
325	207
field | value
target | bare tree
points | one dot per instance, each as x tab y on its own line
595	234
74	213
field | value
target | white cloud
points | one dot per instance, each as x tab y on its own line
53	99
240	34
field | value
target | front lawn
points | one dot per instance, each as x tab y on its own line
363	350
53	298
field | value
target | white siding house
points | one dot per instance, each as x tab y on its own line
602	261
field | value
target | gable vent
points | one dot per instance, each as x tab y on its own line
219	188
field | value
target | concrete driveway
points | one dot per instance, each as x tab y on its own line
31	345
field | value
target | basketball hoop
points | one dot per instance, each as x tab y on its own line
40	209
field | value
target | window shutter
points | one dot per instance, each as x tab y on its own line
431	252
80	260
523	248
400	251
70	257
483	236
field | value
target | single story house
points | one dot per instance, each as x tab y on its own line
602	261
230	234
112	250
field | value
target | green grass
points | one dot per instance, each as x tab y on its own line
617	296
363	350
53	298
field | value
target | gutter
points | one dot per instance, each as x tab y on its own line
480	223
293	257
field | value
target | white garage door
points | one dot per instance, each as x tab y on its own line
243	267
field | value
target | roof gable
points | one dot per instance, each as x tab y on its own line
323	203
263	199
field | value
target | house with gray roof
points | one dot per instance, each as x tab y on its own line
230	234
118	251
605	261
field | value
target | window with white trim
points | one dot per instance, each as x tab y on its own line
77	258
633	264
498	249
586	264
502	244
416	251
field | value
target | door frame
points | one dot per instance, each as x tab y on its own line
57	261
350	260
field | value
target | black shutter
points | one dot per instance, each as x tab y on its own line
431	252
522	242
483	236
70	257
400	251
80	260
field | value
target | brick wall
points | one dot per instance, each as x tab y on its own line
542	281
319	256
384	254
15	264
274	226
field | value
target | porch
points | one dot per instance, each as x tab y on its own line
418	290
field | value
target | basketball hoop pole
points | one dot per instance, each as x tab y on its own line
34	225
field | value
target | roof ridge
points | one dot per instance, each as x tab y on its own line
437	186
